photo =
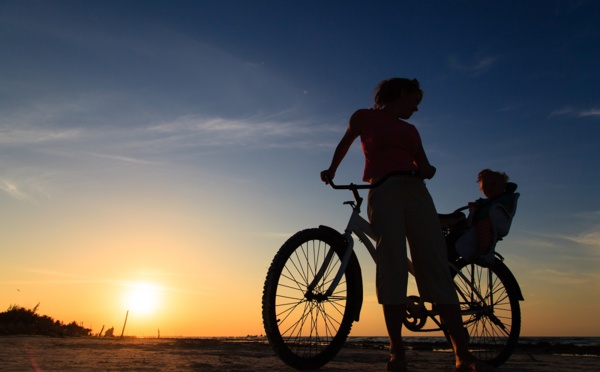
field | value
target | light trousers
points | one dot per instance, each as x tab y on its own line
402	209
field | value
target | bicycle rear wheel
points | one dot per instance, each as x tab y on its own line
307	329
494	323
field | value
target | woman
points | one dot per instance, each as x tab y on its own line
400	209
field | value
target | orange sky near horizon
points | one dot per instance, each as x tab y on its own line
218	301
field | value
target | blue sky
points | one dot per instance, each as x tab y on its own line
180	143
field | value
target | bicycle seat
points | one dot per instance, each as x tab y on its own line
451	219
453	215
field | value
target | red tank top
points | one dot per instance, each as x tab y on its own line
388	144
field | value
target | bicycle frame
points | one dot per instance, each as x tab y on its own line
360	227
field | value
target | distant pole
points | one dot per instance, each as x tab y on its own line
100	334
124	324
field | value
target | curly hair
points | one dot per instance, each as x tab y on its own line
490	173
388	90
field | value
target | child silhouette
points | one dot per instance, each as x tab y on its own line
491	217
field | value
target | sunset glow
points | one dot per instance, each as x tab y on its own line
142	298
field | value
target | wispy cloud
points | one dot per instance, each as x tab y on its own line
589	234
584	243
483	64
591	238
253	132
475	67
42	158
27	184
13	190
590	112
569	278
561	112
573	112
122	159
585	238
34	135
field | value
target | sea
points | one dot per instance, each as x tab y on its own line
563	346
553	341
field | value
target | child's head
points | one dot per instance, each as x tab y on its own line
492	184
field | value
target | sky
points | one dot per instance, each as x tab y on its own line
155	155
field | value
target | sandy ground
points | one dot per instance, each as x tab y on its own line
32	353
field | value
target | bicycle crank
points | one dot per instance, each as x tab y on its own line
416	314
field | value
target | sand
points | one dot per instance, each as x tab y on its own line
34	353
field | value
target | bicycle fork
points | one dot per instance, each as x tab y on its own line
325	266
356	223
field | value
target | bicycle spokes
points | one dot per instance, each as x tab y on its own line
310	299
490	310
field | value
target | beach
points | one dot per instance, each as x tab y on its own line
37	353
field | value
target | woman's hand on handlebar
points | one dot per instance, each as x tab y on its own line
327	175
427	172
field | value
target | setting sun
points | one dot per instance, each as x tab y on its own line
142	298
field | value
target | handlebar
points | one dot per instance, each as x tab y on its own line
353	186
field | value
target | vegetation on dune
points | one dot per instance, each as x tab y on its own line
20	321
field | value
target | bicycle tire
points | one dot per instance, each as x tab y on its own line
306	333
492	327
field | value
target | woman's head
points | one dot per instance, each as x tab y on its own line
390	89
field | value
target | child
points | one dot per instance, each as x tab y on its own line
490	217
493	186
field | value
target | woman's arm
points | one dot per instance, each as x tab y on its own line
426	170
352	132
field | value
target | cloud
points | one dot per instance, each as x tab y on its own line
41	159
572	112
569	278
590	238
585	238
254	132
13	190
538	241
120	159
483	64
25	183
33	135
475	67
590	234
583	244
590	112
561	112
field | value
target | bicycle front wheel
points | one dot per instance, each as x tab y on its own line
306	328
489	299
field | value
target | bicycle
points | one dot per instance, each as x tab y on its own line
313	293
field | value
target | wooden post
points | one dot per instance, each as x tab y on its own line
124	324
100	334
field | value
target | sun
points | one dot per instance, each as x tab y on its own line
142	298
